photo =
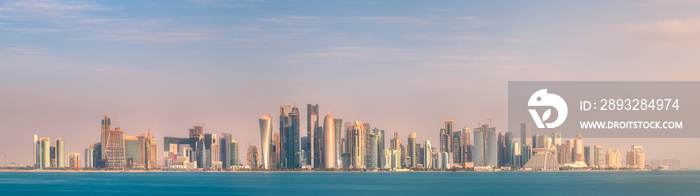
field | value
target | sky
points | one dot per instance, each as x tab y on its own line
402	66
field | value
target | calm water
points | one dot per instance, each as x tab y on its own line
461	183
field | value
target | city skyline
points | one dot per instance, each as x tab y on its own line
64	64
487	152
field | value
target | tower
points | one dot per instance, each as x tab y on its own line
329	145
265	138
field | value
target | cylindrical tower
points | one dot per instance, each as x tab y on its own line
265	136
329	142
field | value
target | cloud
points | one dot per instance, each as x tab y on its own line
49	7
674	32
393	20
182	36
291	20
28	57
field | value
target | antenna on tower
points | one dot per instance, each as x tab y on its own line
115	119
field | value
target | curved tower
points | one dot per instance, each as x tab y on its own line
265	135
329	142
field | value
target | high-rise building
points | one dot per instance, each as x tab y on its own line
525	154
225	141
37	152
380	147
579	151
525	134
479	149
60	153
411	150
113	152
613	159
635	157
466	145
356	141
275	151
508	158
92	155
457	152
234	153
372	159
293	151
598	156
516	152
587	155
132	151
74	160
329	139
315	136
148	150
501	142
492	147
338	127
285	122
45	152
449	130
265	139
485	146
556	138
252	157
53	156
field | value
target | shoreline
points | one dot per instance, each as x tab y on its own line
162	171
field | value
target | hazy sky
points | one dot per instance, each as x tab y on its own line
399	65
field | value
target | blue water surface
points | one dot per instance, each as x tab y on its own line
368	183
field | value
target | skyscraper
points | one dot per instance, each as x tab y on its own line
265	138
149	150
285	122
293	152
275	151
225	150
501	142
380	147
37	152
598	156
113	152
449	130
234	153
427	152
315	136
479	149
338	127
578	151
45	152
457	147
411	150
356	140
60	153
509	149
329	139
485	146
466	145
372	159
635	157
252	157
525	134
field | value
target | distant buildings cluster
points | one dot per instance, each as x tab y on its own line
117	151
332	144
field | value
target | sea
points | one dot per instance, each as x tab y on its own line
637	183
